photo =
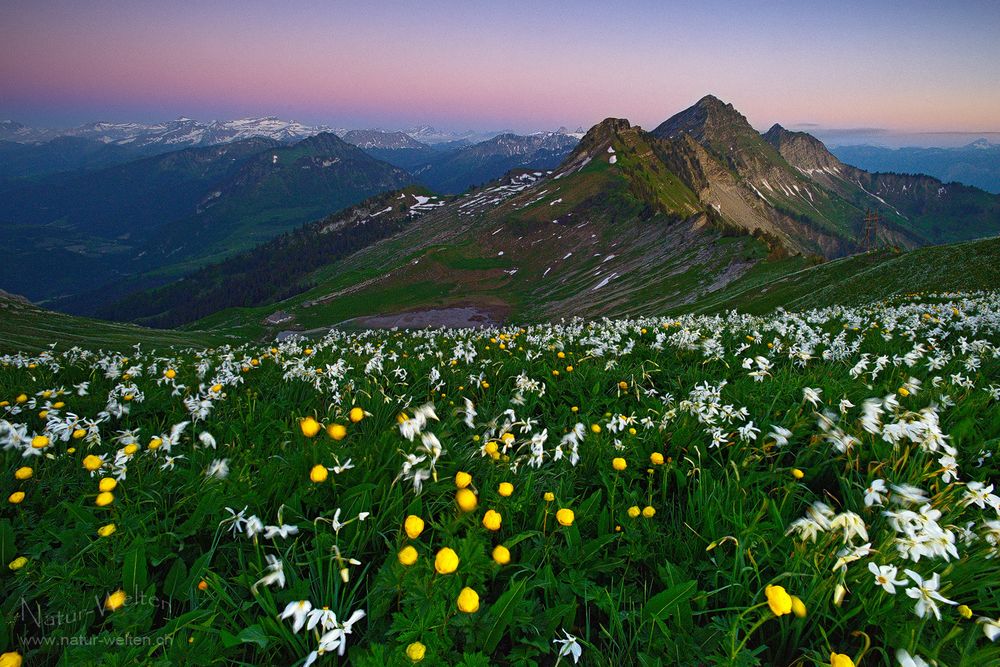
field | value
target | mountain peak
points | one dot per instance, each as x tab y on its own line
711	101
324	141
708	119
800	149
607	127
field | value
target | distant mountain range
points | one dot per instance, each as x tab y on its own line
451	170
630	221
447	162
977	163
186	132
76	239
179	133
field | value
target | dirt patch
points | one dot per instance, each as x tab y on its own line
460	316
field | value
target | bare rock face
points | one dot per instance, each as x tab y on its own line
801	150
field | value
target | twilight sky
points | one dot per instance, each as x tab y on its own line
905	65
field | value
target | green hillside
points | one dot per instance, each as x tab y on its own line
865	278
27	328
82	239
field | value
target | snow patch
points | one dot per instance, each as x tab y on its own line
604	282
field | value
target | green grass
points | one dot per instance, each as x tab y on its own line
32	329
868	277
683	586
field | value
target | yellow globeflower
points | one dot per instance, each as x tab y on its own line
468	601
24	472
407	556
840	660
798	607
16	498
778	600
618	463
107	484
155	443
106	530
492	520
170	373
797	474
21	398
78	433
446	561
623	385
92	462
10	659
565	517
115	600
595	428
501	554
466	500
318	474
648	511
131	449
336	431
105	498
549	496
462	479
634	511
964	611
656	458
416	652
505	489
356	414
413	525
17	563
310	427
40	441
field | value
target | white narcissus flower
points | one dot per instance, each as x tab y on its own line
885	576
926	594
219	469
812	395
298	611
907	660
275	574
991	627
284	530
875	493
570	646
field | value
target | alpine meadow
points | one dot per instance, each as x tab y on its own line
417	379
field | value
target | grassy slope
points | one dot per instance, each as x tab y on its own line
969	266
24	327
515	259
790	283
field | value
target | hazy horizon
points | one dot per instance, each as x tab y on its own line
908	67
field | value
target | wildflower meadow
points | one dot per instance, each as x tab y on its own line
798	488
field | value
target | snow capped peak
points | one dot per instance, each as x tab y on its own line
184	131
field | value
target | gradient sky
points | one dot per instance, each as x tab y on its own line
905	65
